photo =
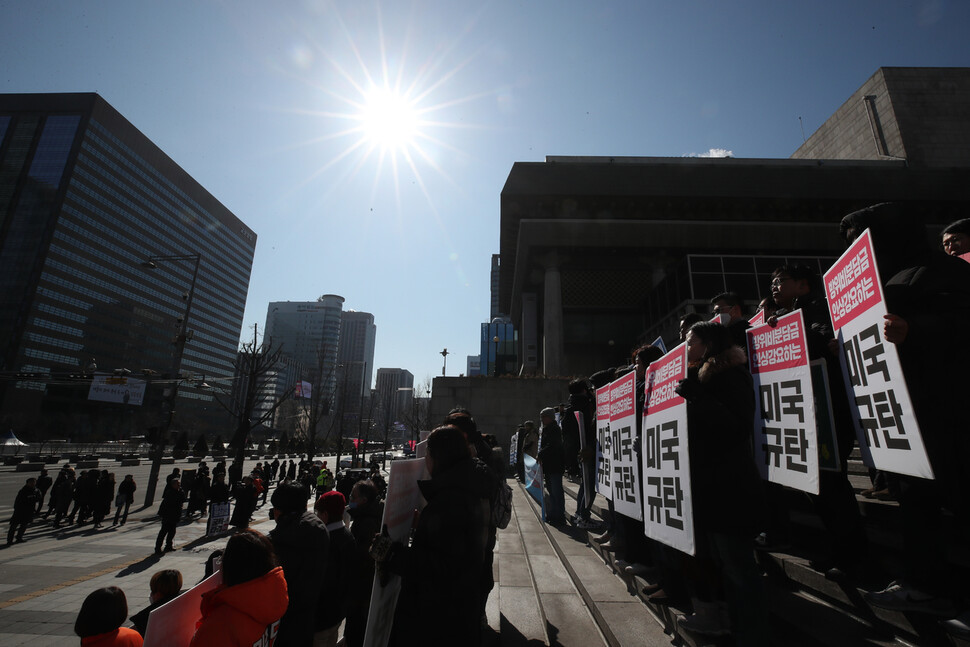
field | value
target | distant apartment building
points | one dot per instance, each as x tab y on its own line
86	200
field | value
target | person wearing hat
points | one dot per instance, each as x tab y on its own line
302	544
338	587
553	462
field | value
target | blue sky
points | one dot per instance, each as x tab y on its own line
264	104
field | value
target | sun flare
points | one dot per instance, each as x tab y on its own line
389	120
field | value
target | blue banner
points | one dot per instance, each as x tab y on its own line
533	481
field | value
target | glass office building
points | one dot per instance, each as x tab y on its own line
85	200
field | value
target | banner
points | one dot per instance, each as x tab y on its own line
659	343
785	435
218	519
402	502
828	442
668	515
533	481
758	318
119	389
604	443
303	390
623	429
173	624
514	450
882	412
587	485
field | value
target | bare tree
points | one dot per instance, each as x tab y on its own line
256	365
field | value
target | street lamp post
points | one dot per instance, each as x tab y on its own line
495	364
171	393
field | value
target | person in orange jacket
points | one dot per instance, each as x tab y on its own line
100	618
247	607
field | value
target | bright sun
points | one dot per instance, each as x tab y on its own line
389	120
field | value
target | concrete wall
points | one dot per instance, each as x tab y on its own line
498	404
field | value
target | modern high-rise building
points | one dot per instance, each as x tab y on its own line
355	365
86	201
393	395
495	284
309	332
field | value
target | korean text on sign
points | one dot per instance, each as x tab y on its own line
604	444
624	473
667	513
786	440
882	411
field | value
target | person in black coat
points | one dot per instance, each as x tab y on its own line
170	511
244	492
302	544
927	297
44	482
440	590
366	513
23	510
126	496
726	488
553	461
338	587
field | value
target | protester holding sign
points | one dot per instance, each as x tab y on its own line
725	483
927	295
439	601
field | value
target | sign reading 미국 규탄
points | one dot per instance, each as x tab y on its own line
623	459
882	412
604	445
668	514
785	434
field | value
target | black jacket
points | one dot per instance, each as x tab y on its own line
339	593
302	544
441	571
551	451
726	487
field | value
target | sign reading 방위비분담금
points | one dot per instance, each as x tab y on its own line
882	412
623	459
604	444
785	435
668	514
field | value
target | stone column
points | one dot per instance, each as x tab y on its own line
552	336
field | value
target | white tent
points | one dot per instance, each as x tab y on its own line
9	439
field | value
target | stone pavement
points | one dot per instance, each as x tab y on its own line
44	580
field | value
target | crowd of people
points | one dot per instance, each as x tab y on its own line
735	512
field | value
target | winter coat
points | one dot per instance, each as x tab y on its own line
725	484
302	544
441	571
343	569
551	451
127	488
240	615
170	510
25	503
120	637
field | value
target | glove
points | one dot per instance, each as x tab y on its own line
688	389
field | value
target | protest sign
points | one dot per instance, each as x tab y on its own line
667	516
604	444
173	624
785	436
587	481
889	435
758	318
401	504
514	450
218	518
659	343
623	429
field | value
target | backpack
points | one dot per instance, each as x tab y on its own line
501	506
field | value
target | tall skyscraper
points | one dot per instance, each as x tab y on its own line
86	200
392	403
355	363
309	332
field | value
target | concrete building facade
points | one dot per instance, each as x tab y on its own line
590	246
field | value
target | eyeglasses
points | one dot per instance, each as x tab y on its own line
776	283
